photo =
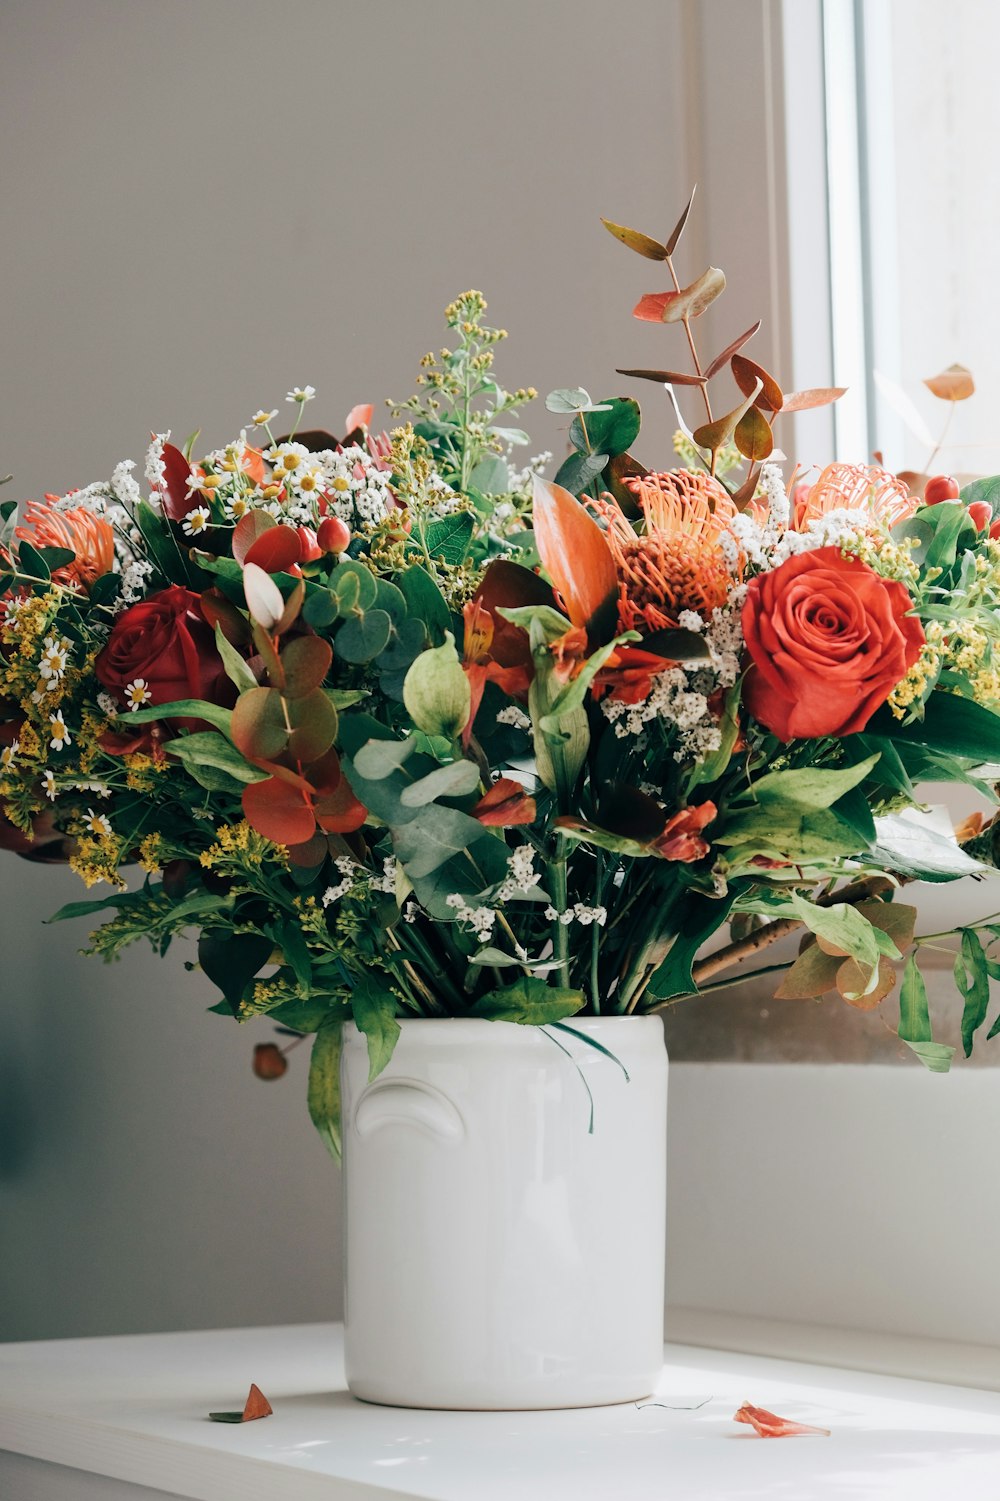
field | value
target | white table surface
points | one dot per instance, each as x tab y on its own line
135	1408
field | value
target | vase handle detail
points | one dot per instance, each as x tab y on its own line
408	1102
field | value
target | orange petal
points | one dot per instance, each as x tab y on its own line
576	555
257	1405
768	1425
505	805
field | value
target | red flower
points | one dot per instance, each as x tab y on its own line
681	837
829	640
166	641
505	806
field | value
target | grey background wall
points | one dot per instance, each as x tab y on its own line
209	201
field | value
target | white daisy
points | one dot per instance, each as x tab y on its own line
137	693
98	823
262	418
55	656
60	734
197	521
49	785
9	754
301	394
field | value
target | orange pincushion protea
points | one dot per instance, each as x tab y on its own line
853	487
677	562
85	534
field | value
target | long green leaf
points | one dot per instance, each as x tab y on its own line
915	1021
530	1002
183	708
324	1084
374	1010
973	981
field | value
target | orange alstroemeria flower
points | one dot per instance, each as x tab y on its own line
505	806
628	674
478	663
90	537
681	836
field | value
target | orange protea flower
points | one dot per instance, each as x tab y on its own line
676	563
85	534
853	487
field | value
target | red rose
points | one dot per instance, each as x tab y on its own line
829	640
166	641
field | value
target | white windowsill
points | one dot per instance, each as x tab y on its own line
135	1409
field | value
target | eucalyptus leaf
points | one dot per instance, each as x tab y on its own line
456	780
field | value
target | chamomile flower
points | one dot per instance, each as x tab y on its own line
197	521
286	458
9	755
55	657
49	785
98	823
12	609
237	506
137	693
301	394
60	733
262	418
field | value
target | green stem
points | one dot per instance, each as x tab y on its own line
595	943
560	891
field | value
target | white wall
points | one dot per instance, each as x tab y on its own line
211	201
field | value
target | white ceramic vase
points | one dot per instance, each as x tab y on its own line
501	1254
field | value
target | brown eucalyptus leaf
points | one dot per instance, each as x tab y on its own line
812	975
714	435
818	396
746	492
745	372
953	384
753	436
637	241
678	229
258	726
731	349
306	661
666	377
314	726
853	979
293	605
269	656
281	813
896	919
689	302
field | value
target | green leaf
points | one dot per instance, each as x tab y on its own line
528	1001
973	981
432	837
425	601
786	831
956	725
490	476
374	1011
915	1021
302	1016
31	562
362	637
612	431
231	960
456	780
580	470
323	1095
183	708
354	585
569	399
694	921
380	758
987	490
844	928
207	748
904	846
321	608
237	670
449	538
436	691
809	787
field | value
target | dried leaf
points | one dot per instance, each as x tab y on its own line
689	302
678	229
953	384
753	436
257	1406
714	435
637	241
818	396
745	372
853	980
665	377
769	1425
813	974
731	349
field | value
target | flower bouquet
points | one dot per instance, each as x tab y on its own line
403	730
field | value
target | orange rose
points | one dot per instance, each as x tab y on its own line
829	639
